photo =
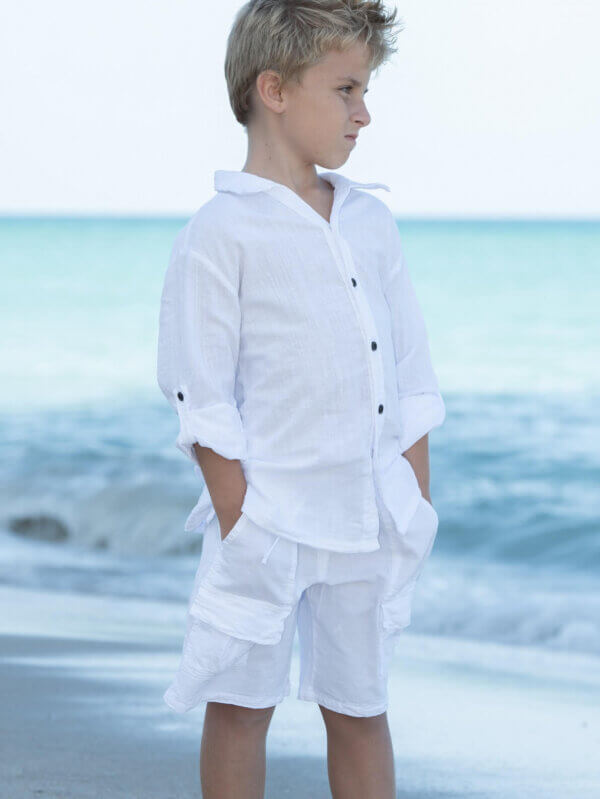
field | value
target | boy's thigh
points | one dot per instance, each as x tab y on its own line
342	664
258	679
241	620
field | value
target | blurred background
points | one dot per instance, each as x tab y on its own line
485	125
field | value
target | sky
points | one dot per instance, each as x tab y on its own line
487	109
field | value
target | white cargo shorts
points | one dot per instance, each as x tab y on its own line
253	589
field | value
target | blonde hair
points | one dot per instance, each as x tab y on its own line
289	36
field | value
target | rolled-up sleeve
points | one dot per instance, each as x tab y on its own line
198	348
421	404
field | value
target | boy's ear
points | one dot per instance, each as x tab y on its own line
268	89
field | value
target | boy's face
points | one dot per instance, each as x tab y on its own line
319	114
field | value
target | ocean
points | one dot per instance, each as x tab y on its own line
94	493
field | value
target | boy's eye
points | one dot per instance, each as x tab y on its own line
343	88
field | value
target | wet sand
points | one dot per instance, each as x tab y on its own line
83	715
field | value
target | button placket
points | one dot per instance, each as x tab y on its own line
376	361
366	325
345	263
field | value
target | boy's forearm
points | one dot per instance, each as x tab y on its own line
418	456
225	481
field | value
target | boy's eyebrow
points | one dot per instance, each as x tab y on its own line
351	80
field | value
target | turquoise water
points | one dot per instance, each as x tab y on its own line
510	307
87	438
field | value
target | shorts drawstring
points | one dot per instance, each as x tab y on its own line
270	549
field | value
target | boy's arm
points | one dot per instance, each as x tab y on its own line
226	484
418	456
421	404
198	348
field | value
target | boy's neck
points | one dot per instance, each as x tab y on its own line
303	180
271	157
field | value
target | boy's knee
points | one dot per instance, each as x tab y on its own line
240	716
354	725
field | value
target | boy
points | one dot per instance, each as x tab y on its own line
292	346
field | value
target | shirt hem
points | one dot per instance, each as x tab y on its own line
252	507
365	545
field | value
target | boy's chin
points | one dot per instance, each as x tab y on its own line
334	161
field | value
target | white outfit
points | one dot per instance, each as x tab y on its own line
253	589
298	346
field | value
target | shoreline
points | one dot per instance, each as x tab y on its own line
84	716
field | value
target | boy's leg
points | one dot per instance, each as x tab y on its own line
360	757
343	670
239	705
242	692
233	751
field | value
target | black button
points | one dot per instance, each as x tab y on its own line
353	281
381	409
373	345
179	395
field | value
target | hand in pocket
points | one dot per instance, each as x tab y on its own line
229	523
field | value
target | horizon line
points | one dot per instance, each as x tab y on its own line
132	217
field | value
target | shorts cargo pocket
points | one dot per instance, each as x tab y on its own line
206	652
394	616
248	591
396	610
406	563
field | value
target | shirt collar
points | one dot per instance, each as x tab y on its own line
240	182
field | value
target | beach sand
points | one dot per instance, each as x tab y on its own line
83	715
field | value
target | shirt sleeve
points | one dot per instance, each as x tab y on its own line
198	348
421	404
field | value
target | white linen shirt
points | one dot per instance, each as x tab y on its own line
298	346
